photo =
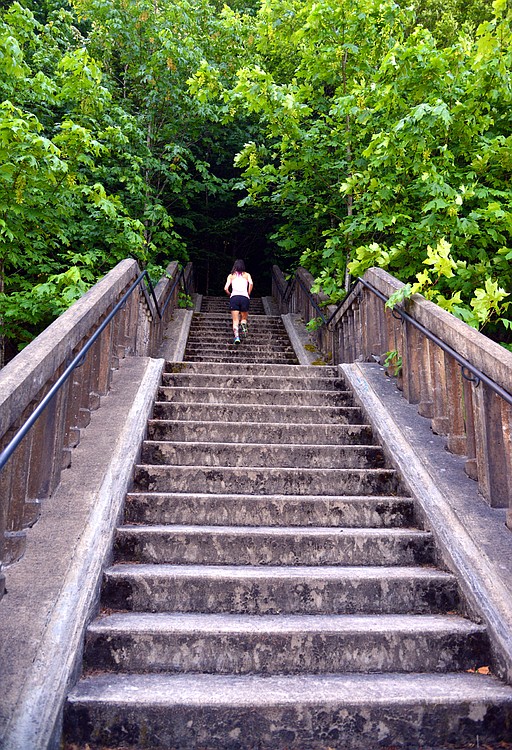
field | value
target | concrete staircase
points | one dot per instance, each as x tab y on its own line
211	336
270	588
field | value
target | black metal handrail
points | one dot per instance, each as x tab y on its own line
78	360
462	361
478	375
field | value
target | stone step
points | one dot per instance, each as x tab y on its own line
236	380
240	357
260	455
212	304
247	347
213	395
269	510
273	334
264	481
258	413
259	590
256	327
292	644
248	432
221	322
342	712
260	346
258	342
290	372
250	545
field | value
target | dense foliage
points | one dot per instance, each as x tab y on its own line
382	145
337	135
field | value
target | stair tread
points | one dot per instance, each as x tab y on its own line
256	391
165	622
250	447
328	689
233	498
340	471
271	572
289	371
277	531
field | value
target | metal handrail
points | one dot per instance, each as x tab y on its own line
78	360
463	362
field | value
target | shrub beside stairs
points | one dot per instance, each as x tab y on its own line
269	587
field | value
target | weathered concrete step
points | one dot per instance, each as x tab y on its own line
343	712
210	325
263	481
225	345
213	321
269	510
291	644
262	455
214	395
212	304
259	413
249	432
250	545
218	331
236	380
256	343
237	358
285	371
246	346
259	590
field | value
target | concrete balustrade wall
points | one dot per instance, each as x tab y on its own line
33	472
476	422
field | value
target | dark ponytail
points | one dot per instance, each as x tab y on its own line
238	267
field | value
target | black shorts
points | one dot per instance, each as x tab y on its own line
239	302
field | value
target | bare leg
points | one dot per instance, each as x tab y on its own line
235	315
244	323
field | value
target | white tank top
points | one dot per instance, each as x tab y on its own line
239	285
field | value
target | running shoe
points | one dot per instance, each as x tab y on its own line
245	330
237	340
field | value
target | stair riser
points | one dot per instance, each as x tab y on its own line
151	592
261	340
272	335
268	396
240	358
381	512
235	480
274	653
235	454
288	726
216	335
210	548
258	413
255	351
211	307
185	380
291	372
247	433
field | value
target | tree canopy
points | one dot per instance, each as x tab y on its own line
335	135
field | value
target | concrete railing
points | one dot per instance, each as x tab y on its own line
33	471
460	379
